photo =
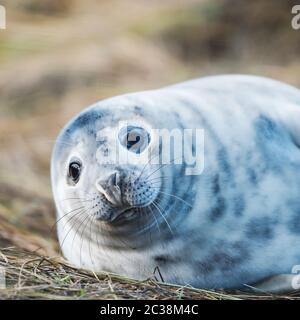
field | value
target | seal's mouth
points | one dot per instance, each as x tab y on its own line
122	213
123	196
112	214
125	213
118	215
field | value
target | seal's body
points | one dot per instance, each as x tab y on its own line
238	222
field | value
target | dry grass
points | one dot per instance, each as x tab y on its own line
60	56
31	276
35	269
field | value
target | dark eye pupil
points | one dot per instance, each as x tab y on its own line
74	171
131	141
135	139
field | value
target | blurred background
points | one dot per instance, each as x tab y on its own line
58	56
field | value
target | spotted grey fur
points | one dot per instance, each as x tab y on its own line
237	223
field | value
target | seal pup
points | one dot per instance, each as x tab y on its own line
236	223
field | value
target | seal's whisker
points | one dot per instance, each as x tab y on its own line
82	208
91	238
75	209
66	214
172	195
100	246
77	229
144	227
163	165
70	229
159	210
156	222
146	166
82	238
158	178
77	214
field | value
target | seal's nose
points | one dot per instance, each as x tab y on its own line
110	187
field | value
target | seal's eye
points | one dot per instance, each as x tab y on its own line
74	171
135	139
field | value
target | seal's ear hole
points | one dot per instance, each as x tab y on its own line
74	170
134	139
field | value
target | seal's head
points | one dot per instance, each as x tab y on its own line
100	165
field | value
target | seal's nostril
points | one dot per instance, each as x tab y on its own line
109	186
